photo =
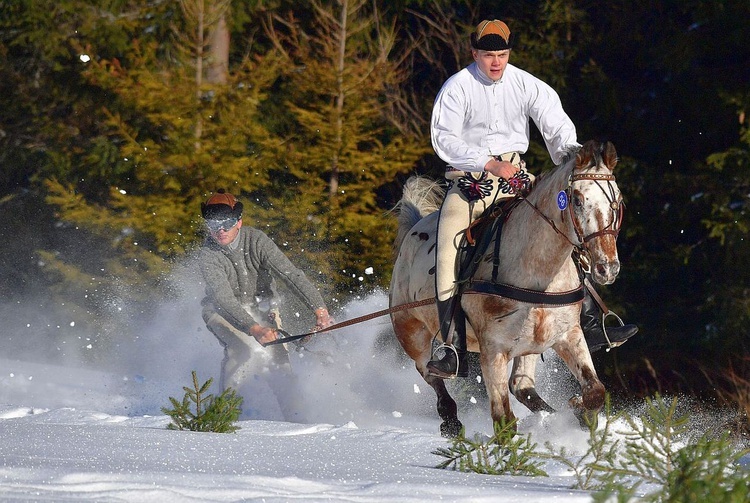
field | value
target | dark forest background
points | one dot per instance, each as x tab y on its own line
118	117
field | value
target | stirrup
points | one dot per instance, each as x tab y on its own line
446	347
604	329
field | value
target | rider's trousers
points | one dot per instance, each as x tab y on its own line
461	206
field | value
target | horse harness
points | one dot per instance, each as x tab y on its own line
581	252
489	226
480	234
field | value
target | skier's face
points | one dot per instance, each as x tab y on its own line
225	236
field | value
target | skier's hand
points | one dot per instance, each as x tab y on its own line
322	319
263	335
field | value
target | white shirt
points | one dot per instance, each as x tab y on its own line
475	118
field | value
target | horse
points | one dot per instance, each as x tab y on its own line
573	210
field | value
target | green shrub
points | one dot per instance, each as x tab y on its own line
658	450
506	453
215	414
658	458
707	471
601	452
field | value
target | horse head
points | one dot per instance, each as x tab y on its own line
596	208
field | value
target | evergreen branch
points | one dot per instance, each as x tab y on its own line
214	414
505	453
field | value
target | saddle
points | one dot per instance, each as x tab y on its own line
478	236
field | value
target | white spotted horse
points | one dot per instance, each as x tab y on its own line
529	299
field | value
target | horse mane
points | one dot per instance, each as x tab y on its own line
421	196
549	179
589	155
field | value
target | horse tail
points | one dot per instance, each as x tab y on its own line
421	196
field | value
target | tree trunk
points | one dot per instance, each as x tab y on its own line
218	46
334	181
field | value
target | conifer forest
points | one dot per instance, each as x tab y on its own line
119	117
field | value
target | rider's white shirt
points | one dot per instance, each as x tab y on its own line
474	118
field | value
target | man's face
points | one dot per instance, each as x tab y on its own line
492	63
224	231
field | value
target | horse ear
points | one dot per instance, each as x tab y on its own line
610	155
584	155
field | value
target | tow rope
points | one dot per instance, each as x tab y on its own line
290	338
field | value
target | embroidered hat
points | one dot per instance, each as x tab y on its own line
492	36
220	206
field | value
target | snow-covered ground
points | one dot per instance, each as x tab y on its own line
74	432
70	454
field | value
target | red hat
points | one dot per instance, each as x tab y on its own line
220	206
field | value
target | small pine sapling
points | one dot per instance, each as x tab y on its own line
658	456
214	414
591	469
506	453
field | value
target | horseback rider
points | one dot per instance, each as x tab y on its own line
480	128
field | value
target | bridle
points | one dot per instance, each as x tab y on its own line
565	202
615	204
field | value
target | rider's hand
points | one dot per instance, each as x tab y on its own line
569	152
322	319
262	334
501	169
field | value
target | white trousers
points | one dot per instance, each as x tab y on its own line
244	357
458	212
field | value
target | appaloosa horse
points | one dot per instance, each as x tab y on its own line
576	206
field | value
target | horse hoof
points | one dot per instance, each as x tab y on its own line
587	418
593	397
531	399
451	428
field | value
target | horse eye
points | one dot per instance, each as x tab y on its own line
578	201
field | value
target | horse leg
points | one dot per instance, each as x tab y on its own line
446	406
416	340
495	372
523	384
578	360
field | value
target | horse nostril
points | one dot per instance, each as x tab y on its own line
607	269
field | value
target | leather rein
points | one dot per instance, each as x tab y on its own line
401	307
581	251
523	295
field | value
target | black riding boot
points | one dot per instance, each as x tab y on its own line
593	328
453	363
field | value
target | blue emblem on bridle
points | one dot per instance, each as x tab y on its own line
562	200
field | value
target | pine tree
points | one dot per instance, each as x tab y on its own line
505	453
49	131
177	137
727	227
156	136
214	414
343	145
